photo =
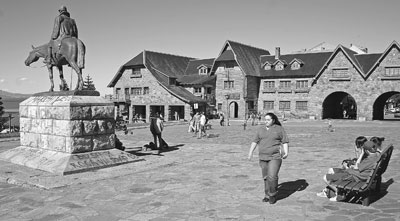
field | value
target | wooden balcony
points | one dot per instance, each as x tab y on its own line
119	98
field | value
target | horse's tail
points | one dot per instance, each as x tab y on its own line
81	54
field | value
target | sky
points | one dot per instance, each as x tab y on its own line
116	31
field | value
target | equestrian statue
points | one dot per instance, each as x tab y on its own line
64	48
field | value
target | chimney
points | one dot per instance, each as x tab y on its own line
277	52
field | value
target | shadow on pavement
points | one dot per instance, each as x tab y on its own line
212	135
139	152
288	188
383	191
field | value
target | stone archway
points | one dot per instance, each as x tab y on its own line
233	109
339	105
378	111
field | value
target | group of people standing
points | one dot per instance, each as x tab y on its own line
197	124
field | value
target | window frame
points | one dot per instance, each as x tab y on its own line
284	105
136	91
136	73
300	105
229	84
268	103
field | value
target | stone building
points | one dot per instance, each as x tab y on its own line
148	84
237	70
369	79
318	84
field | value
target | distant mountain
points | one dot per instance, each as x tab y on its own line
11	96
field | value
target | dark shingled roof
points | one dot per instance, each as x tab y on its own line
247	57
312	63
188	80
171	65
194	64
183	94
136	61
351	55
163	67
366	61
226	56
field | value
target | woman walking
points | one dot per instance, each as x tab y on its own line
269	140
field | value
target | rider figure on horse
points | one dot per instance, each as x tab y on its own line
64	27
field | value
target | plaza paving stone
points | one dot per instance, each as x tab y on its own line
205	179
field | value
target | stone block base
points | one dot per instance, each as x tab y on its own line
66	163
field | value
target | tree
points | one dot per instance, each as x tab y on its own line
88	84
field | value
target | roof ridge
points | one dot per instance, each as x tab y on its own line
247	45
368	54
291	54
198	59
163	53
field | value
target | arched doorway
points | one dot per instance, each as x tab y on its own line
339	105
386	106
233	110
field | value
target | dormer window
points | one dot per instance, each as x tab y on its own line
203	71
296	64
267	66
279	67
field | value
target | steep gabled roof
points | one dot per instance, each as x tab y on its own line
247	57
162	67
312	64
183	94
383	55
192	67
350	55
169	66
136	61
366	61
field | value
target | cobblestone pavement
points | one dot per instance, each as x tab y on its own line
205	179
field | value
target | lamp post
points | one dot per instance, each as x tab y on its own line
9	125
227	109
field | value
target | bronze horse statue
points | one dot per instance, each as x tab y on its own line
71	52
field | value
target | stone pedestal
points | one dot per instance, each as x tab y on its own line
67	133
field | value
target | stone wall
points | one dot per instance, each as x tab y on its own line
69	124
157	96
292	95
235	93
364	91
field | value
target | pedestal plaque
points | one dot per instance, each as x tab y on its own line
67	133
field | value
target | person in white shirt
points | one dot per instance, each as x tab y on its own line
203	121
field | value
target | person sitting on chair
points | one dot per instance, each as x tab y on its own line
360	172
